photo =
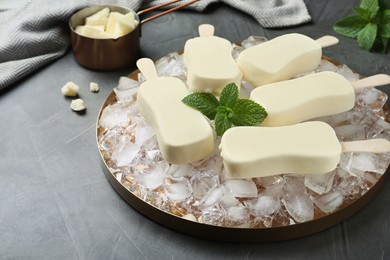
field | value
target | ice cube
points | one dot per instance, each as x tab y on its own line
326	65
202	183
236	50
153	176
372	98
212	197
212	216
252	41
126	89
181	170
350	132
246	89
114	115
124	153
143	131
350	75
241	188
268	181
171	65
177	189
361	162
329	202
263	206
320	183
237	216
296	201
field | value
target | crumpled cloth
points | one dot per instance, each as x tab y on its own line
35	32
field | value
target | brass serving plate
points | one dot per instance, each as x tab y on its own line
234	234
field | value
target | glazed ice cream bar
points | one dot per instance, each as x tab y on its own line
281	58
183	133
210	65
305	148
315	95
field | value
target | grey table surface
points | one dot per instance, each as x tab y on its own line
56	203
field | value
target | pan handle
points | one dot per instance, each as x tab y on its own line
165	12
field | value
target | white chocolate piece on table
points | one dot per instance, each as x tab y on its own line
93	87
78	105
210	65
315	95
70	89
183	133
279	59
305	148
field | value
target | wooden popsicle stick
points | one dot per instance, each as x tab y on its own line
371	146
206	30
372	81
147	68
327	40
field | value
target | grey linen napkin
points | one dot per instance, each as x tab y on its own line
35	32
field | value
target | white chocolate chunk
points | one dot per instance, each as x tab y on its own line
78	105
315	95
210	65
95	32
103	13
99	18
305	148
70	89
183	134
97	22
93	87
279	59
119	24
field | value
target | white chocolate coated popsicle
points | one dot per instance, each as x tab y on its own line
183	133
315	95
306	148
279	59
210	65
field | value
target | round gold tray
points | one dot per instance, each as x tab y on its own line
234	234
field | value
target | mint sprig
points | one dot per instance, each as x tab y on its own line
370	25
229	110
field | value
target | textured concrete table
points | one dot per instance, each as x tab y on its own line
56	203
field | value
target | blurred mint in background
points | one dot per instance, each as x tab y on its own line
370	25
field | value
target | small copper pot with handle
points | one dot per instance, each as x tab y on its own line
110	54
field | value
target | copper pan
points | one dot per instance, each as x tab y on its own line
110	54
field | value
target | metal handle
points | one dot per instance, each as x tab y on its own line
165	12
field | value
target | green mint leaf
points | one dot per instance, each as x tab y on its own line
371	5
248	113
367	36
350	26
363	13
229	95
204	102
385	24
222	123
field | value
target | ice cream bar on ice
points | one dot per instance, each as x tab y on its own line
315	95
282	58
210	65
305	148
183	134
